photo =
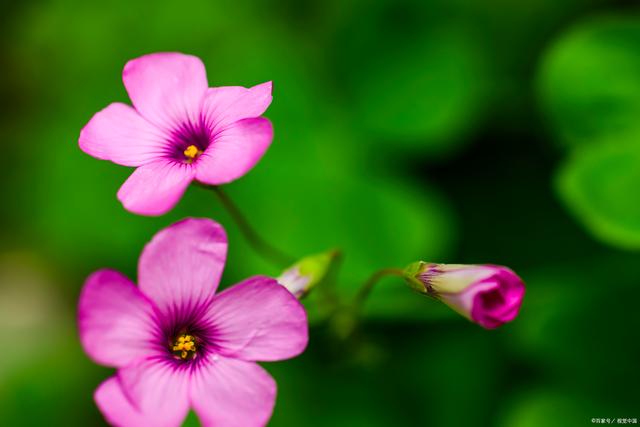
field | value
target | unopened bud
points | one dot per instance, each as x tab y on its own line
301	277
488	295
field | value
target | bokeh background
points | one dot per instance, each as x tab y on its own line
483	131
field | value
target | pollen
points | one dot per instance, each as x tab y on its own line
184	347
191	152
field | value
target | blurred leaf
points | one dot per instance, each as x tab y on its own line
31	312
73	206
554	408
599	184
589	81
595	296
75	51
392	300
425	93
310	193
54	389
374	223
444	368
315	393
418	82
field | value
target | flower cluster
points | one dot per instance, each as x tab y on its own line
177	344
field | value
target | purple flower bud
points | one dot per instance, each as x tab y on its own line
301	277
488	295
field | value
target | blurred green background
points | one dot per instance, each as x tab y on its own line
445	130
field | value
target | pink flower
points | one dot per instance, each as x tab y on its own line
486	294
178	130
177	345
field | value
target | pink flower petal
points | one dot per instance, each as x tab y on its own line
166	88
258	319
119	411
153	391
500	303
115	320
232	393
181	267
118	133
115	406
223	106
234	151
154	188
462	302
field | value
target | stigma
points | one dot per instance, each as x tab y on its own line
191	152
184	347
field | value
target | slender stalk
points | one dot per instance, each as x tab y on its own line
368	286
261	246
345	320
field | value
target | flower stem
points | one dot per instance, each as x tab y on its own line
346	318
261	246
368	286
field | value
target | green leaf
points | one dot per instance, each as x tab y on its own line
307	384
421	85
599	185
589	82
374	222
555	407
311	192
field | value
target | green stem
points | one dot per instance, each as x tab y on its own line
346	318
261	246
368	286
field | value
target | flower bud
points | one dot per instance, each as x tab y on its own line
306	273
488	295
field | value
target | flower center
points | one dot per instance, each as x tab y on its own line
492	299
188	141
191	152
184	347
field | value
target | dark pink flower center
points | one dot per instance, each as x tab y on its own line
189	141
492	299
186	337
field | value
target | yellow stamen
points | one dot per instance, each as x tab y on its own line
192	152
186	345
